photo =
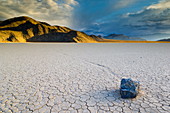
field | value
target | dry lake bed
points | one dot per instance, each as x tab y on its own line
83	78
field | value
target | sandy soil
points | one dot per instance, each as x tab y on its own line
84	78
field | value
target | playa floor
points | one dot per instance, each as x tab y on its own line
83	78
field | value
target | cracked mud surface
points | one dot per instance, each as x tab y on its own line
83	78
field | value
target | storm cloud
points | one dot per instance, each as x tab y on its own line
90	12
117	17
154	18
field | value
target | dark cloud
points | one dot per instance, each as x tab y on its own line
94	11
155	19
150	21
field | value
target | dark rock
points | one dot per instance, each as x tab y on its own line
129	88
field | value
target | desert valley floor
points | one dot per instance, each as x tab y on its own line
83	78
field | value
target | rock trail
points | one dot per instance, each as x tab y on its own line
43	78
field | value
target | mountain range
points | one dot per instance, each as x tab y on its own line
123	37
168	39
25	29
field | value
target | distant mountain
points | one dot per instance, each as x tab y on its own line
26	29
168	39
122	37
98	38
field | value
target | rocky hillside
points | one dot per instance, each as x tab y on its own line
123	37
26	29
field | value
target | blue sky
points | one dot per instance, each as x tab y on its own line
149	19
121	17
